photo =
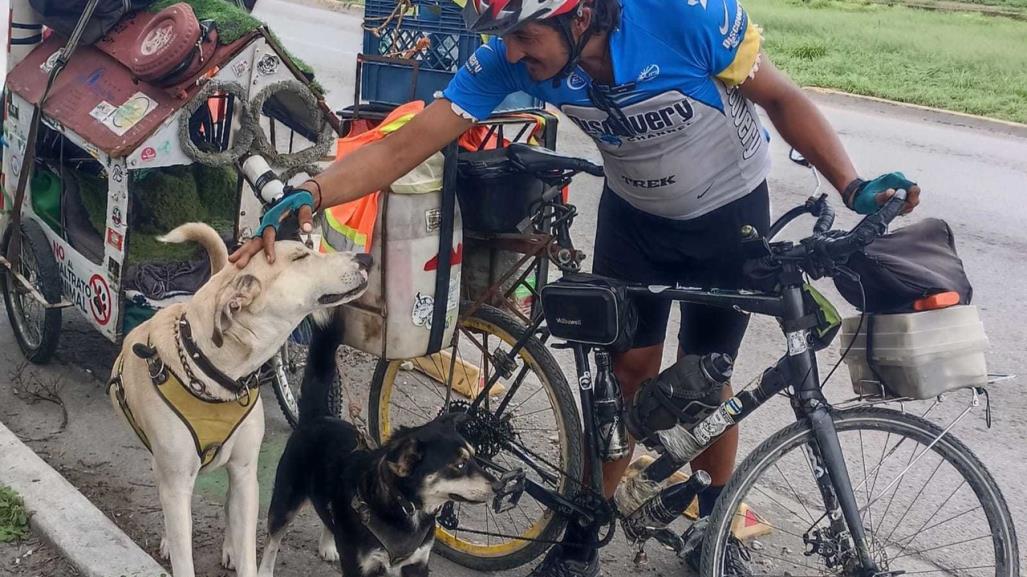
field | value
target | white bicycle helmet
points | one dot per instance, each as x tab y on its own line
497	17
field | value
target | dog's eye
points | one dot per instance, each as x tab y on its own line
460	466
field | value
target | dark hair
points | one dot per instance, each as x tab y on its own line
605	15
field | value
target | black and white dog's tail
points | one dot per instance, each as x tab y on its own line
320	389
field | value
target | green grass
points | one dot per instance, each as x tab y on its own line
1003	4
960	61
14	521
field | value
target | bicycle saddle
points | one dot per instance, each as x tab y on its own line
541	160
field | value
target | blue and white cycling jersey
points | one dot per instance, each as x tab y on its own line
686	141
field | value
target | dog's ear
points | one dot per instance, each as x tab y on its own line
402	458
232	298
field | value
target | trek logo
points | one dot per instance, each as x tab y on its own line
645	119
654	183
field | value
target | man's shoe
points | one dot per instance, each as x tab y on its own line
556	564
736	558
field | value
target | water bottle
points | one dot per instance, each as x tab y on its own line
666	506
609	411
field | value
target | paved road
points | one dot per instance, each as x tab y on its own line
972	176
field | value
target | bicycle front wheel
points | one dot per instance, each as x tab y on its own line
929	507
529	422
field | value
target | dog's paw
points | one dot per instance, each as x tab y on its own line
165	549
327	550
226	556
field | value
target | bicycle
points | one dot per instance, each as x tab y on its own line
846	518
498	345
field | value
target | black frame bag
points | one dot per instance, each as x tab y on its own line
590	309
904	266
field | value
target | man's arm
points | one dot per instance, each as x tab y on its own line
800	122
370	168
802	125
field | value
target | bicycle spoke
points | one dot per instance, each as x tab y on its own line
915	499
783	506
797	499
949	570
773	527
912	537
922	551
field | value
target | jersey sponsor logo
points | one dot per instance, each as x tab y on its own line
649	72
576	82
664	114
473	65
732	40
744	119
651	183
699	2
727	20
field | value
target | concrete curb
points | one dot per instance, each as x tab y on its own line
933	114
65	518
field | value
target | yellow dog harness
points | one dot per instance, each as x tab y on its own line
210	421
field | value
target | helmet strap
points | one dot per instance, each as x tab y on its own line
575	48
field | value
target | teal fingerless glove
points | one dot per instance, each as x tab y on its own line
864	199
288	204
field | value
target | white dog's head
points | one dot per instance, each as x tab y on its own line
259	305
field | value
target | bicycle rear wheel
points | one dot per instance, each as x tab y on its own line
928	505
284	372
540	421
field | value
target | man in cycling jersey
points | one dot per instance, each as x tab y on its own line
667	89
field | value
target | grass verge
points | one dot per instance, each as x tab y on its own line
959	61
14	521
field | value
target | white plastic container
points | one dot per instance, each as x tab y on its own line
393	318
919	355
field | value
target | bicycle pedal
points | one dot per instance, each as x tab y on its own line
510	488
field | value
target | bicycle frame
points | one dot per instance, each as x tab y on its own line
797	370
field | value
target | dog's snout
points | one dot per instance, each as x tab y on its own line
364	260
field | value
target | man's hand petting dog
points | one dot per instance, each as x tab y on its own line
266	242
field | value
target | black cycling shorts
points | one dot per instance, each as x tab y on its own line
639	247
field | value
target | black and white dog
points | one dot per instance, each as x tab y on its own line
378	506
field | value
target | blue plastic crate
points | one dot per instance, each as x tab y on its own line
449	45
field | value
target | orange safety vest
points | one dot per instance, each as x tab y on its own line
350	226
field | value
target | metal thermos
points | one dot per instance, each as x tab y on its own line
609	411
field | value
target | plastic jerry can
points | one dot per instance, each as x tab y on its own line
393	318
918	355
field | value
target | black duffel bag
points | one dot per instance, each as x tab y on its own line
63	15
904	266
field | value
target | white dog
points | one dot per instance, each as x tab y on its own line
184	379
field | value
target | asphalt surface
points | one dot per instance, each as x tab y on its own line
973	175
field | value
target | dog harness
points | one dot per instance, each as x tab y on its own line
398	543
210	421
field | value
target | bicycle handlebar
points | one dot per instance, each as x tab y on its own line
821	253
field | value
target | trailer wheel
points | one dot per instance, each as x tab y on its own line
37	328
